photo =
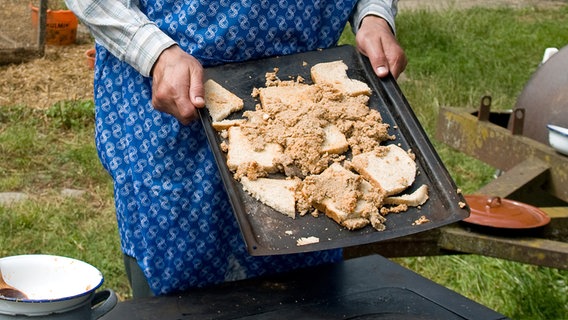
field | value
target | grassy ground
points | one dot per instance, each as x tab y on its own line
43	153
455	58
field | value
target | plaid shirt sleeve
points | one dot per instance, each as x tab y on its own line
386	9
124	30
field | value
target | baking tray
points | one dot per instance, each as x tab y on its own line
269	232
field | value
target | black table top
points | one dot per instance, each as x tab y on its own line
370	287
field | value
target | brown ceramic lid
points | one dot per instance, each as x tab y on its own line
503	213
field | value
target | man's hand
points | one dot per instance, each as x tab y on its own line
376	41
177	86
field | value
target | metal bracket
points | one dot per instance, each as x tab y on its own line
518	121
484	109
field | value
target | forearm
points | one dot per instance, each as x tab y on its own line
386	9
124	30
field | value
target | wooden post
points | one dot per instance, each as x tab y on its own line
42	26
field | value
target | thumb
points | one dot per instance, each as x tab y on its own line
196	89
379	61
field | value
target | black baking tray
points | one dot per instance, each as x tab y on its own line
269	232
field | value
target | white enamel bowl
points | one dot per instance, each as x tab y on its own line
558	138
52	283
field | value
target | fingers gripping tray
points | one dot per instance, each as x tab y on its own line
269	232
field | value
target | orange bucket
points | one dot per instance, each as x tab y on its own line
61	26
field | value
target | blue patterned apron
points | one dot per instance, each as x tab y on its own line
173	214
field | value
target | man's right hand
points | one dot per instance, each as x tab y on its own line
177	86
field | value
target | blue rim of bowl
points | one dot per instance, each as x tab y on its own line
88	292
55	300
561	130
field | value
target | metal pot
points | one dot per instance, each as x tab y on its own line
57	288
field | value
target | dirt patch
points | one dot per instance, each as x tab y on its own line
61	74
15	25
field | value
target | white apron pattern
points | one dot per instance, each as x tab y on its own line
173	214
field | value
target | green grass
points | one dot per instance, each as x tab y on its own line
476	52
455	57
517	290
42	153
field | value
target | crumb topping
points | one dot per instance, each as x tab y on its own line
304	118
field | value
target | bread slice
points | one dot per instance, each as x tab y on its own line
289	95
335	74
307	240
343	195
417	198
241	152
219	101
335	141
275	193
393	170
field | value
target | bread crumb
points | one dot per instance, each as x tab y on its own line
271	78
378	221
396	209
224	146
421	220
307	240
461	204
315	126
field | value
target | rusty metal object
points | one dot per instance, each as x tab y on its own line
497	147
484	109
524	182
546	246
517	121
500	118
537	251
557	229
545	98
533	173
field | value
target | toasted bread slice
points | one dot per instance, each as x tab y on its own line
241	152
219	101
335	141
417	198
335	74
275	193
394	170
